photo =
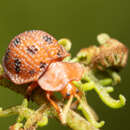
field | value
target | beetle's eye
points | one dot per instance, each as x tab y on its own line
67	94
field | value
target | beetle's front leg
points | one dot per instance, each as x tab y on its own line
54	104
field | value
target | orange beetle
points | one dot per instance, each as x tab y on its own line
35	57
29	54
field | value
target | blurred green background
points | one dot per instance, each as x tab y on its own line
80	21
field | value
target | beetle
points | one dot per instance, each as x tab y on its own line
35	57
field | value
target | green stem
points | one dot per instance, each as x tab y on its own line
103	93
84	107
115	76
16	110
107	99
76	122
37	118
105	82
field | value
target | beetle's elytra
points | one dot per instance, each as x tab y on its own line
29	54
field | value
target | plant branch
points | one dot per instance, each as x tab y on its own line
73	120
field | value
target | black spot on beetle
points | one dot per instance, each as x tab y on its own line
17	41
32	72
43	65
32	49
17	64
67	94
47	39
7	55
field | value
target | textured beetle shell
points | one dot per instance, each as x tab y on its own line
59	74
29	54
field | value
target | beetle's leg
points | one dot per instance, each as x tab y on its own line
58	109
30	88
